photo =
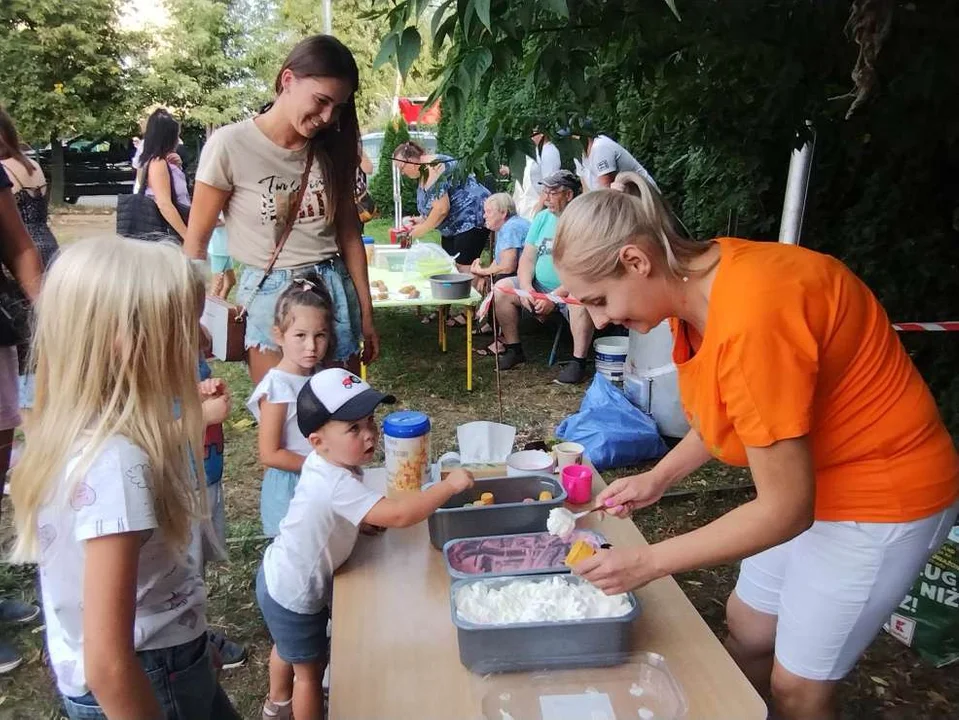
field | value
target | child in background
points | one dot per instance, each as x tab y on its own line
221	264
293	586
216	399
303	328
105	496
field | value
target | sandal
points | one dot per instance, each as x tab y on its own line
456	321
484	329
490	351
427	319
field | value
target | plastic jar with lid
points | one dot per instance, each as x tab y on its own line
406	440
369	244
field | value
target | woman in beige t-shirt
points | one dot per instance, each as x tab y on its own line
251	171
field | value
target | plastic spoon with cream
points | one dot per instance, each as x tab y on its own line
561	522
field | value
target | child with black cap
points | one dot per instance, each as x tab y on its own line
335	413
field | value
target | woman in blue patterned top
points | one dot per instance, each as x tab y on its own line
452	205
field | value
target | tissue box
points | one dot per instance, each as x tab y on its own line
479	471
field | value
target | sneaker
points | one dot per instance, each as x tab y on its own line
272	711
572	374
10	659
231	654
17	612
511	357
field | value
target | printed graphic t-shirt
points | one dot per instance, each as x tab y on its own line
114	496
263	179
796	345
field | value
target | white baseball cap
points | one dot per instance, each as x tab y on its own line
335	394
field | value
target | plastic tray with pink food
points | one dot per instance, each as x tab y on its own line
524	554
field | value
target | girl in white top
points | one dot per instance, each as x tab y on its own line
303	330
104	495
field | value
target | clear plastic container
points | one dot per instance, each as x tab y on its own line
406	440
391	259
641	689
426	259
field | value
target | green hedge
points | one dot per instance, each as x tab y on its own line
381	186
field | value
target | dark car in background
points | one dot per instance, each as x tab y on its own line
104	166
93	166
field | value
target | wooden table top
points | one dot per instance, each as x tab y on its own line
394	650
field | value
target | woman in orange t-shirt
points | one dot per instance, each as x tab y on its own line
788	365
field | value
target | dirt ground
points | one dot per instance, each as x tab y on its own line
890	683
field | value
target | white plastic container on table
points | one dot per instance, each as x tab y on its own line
406	440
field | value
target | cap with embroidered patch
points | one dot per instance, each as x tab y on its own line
335	394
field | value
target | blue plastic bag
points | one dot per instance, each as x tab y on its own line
614	432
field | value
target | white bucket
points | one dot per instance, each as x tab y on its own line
611	356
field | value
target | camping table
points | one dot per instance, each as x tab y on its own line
394	648
394	281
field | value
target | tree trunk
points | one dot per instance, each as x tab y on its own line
57	171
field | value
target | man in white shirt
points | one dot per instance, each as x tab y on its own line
603	159
528	194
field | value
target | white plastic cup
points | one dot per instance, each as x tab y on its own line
568	453
527	462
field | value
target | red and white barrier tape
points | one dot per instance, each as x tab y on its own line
948	326
509	290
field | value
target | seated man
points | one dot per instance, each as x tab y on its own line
536	272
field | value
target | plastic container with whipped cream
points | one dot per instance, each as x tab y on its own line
518	623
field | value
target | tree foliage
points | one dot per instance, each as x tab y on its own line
712	97
65	67
198	68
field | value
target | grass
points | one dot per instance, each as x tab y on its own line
890	682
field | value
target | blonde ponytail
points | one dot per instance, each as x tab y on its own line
596	225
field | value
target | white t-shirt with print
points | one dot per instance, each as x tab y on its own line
263	179
279	386
316	536
607	156
113	496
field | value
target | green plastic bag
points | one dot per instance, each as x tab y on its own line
928	618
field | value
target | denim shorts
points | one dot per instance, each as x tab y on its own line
299	638
275	495
261	312
183	680
27	385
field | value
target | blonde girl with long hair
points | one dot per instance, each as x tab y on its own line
787	364
105	494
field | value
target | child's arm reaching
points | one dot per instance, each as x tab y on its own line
406	511
113	672
270	439
215	401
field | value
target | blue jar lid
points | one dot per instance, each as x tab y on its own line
406	424
367	240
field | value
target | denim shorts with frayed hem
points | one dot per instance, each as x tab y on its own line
262	310
299	638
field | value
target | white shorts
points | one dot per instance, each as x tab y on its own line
833	587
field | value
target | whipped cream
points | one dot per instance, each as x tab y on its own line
560	522
556	599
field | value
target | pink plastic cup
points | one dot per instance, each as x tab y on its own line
578	482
